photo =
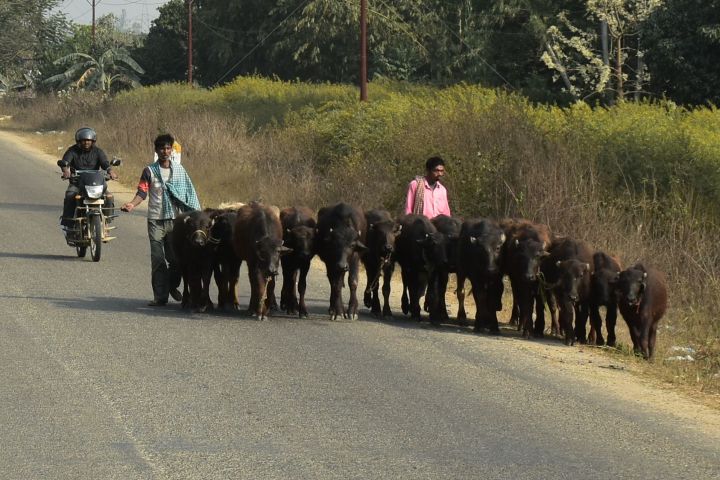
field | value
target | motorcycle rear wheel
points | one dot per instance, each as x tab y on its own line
96	229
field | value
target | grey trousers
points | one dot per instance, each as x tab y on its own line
165	272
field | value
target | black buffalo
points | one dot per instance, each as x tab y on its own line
298	226
190	235
379	260
526	246
567	270
602	294
435	301
479	260
226	263
420	248
339	241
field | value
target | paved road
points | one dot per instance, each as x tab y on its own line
94	384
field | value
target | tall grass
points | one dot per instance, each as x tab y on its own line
637	180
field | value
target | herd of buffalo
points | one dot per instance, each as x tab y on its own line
564	274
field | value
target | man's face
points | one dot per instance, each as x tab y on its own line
86	145
164	152
436	173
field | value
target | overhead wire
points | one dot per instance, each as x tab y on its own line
302	4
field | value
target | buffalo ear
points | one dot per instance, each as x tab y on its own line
557	264
360	247
502	238
283	250
473	240
517	242
397	229
186	219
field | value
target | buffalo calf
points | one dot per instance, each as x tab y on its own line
642	299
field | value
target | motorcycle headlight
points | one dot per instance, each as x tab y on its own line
94	191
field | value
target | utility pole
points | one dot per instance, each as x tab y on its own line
93	3
190	43
363	50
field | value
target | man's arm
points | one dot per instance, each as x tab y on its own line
410	200
142	191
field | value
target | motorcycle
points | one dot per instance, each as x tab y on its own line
91	220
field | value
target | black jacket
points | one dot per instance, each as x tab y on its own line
78	159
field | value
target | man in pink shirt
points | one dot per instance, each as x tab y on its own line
431	199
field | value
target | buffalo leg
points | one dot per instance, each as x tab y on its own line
596	336
460	293
404	301
302	287
387	279
353	277
610	322
581	318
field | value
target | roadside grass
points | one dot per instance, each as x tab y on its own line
638	180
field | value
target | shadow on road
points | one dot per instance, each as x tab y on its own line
35	256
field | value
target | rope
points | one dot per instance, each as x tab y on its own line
371	286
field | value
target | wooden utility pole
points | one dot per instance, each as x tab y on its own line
190	43
619	70
363	50
92	4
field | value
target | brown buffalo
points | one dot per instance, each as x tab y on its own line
258	241
642	299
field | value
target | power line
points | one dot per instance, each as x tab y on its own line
261	42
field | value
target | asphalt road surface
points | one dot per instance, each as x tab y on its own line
94	384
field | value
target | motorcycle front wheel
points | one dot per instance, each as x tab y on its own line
96	229
81	251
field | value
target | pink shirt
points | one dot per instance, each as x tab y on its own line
435	201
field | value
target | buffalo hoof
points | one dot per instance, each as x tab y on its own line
260	318
367	300
495	332
375	313
353	316
302	315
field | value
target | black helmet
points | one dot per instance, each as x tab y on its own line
85	133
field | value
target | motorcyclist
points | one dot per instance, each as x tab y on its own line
84	155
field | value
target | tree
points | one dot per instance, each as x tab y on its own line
164	51
106	73
683	51
575	52
28	31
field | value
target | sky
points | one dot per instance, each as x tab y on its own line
140	12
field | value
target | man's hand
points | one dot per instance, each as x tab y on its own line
65	173
128	207
113	175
